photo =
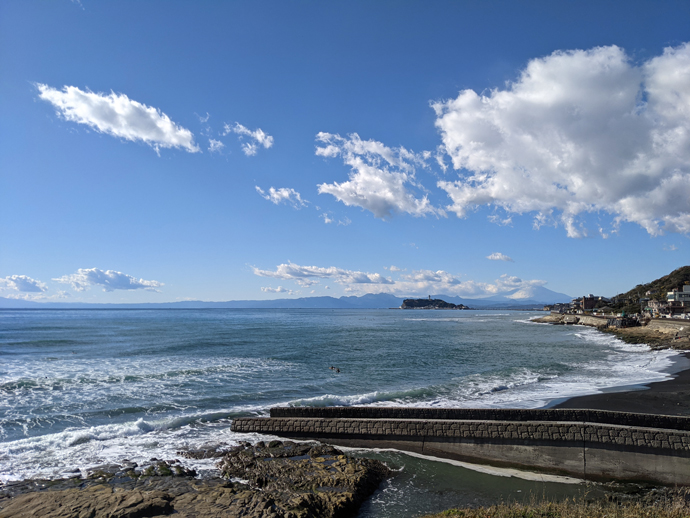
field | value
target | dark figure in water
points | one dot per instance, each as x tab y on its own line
337	370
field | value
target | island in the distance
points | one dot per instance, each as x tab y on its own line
430	304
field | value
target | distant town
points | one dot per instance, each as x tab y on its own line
650	304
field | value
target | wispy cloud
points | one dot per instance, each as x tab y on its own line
381	178
329	218
119	116
670	248
282	195
579	131
215	146
258	138
498	256
504	222
109	280
279	289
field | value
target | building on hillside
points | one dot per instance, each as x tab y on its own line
676	308
680	296
657	307
589	302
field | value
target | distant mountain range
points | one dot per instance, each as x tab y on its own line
537	296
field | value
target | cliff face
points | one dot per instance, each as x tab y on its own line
430	304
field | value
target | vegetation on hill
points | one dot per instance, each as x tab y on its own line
630	300
673	280
430	304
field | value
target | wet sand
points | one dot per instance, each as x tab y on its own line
670	397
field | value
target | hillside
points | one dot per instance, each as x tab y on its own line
673	280
430	304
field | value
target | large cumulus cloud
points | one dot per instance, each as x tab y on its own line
579	131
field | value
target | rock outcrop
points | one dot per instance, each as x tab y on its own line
430	304
277	480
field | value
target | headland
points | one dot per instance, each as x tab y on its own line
658	333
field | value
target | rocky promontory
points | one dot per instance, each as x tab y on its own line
430	304
657	333
277	480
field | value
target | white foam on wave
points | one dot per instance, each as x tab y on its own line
69	391
327	400
531	320
54	455
439	319
622	366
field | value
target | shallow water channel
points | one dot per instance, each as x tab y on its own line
424	485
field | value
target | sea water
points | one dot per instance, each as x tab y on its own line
81	388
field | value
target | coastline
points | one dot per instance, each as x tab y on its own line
485	487
669	397
659	334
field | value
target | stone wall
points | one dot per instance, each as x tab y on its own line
668	326
589	320
489	414
592	434
619	446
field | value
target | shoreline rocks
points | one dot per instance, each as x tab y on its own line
657	334
281	479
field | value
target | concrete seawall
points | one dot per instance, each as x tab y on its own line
602	446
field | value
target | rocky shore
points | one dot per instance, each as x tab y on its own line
277	480
657	334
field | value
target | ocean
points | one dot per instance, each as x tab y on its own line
81	388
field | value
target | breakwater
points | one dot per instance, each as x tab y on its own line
592	445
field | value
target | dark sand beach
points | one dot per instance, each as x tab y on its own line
670	397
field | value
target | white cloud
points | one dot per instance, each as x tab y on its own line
427	282
670	248
258	137
281	195
395	269
215	145
23	284
502	222
417	282
380	178
439	282
498	256
307	275
579	131
119	116
327	218
110	280
279	289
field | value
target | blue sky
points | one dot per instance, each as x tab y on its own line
162	151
